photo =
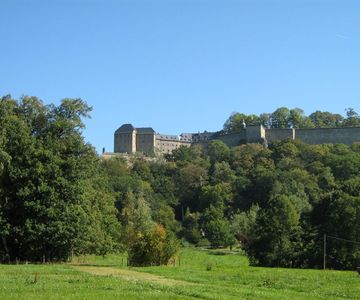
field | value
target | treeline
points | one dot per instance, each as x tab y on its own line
284	117
276	203
58	198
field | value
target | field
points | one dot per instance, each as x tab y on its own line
202	274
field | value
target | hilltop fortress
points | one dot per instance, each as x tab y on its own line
128	139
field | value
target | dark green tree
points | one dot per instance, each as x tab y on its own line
191	230
343	221
216	227
297	119
326	119
352	118
47	191
276	234
236	122
218	151
242	224
280	118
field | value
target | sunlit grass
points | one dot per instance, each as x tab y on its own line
211	274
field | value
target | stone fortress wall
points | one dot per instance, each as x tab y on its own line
232	139
275	134
128	139
345	135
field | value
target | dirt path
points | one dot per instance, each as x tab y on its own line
130	275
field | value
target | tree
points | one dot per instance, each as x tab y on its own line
326	119
297	119
115	167
343	221
235	122
43	200
191	230
344	165
184	155
189	182
280	118
222	172
242	224
218	151
141	168
284	149
265	120
275	237
4	157
216	228
102	228
135	218
219	196
246	158
162	213
351	186
352	118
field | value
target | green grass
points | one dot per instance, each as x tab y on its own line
211	274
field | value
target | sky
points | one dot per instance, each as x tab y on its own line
181	66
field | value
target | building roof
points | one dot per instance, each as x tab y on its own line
162	136
145	130
125	128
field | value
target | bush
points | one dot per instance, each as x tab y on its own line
154	248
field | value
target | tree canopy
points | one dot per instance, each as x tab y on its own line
284	117
54	202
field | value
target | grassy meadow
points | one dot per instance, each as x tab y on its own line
202	274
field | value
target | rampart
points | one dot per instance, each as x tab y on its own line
258	134
346	135
276	134
232	139
128	139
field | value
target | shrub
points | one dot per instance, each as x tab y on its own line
154	248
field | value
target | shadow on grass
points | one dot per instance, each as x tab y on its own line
96	265
222	252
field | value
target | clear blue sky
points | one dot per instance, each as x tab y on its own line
181	66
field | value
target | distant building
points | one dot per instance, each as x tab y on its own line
128	139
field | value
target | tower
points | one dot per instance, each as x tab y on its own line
125	139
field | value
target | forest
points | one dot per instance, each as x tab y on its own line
59	199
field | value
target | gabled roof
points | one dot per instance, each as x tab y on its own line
125	128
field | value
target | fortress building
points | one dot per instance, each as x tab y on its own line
128	139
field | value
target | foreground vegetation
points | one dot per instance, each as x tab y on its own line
202	274
58	198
